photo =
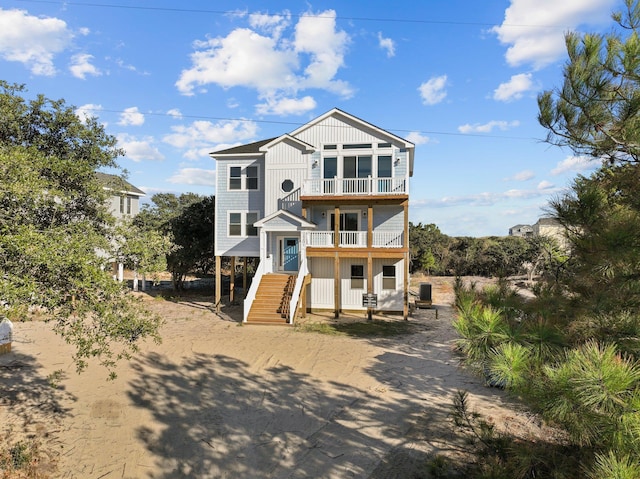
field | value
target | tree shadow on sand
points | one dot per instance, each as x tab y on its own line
218	418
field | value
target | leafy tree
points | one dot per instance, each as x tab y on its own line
428	248
53	222
189	220
143	251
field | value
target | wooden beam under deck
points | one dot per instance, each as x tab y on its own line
357	252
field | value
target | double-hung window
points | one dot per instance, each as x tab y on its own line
389	277
357	276
244	178
241	223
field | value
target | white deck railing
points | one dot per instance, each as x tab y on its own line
355	186
354	239
297	290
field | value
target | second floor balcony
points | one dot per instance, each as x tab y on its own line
354	239
355	186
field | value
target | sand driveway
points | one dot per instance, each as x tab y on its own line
221	400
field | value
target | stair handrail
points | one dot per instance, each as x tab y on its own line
253	289
295	297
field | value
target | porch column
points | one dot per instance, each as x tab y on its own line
369	282
232	280
405	298
336	226
405	247
370	226
218	284
336	285
244	277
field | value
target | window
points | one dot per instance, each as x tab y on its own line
246	178
389	277
235	224
122	204
128	205
384	145
287	186
235	178
348	221
250	229
357	276
357	166
330	167
241	224
356	146
330	147
384	166
252	177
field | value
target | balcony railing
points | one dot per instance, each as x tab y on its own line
355	186
355	239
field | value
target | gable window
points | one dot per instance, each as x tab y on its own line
357	276
246	178
389	277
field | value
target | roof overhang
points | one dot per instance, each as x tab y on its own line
298	222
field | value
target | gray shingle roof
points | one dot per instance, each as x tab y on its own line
115	182
249	148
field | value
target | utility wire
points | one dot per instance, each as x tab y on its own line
235	12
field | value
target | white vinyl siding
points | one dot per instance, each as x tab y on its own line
389	299
350	293
322	285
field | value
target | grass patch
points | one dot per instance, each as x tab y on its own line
360	329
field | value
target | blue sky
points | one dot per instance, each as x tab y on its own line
174	81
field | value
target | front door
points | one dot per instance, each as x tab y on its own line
290	254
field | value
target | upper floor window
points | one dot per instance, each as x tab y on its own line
246	178
125	205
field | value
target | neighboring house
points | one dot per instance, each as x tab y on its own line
524	231
125	198
326	209
124	202
549	227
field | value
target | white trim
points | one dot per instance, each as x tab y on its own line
307	148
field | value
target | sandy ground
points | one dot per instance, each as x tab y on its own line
220	400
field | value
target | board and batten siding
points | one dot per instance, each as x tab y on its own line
333	130
283	162
236	201
388	299
321	288
351	298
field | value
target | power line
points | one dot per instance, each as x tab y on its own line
298	124
235	12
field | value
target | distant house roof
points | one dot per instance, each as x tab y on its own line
115	182
549	222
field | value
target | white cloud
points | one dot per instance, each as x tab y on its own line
269	63
194	176
286	106
202	137
522	176
576	164
514	88
534	29
433	91
87	111
81	66
174	112
387	44
33	41
131	117
545	185
139	149
488	127
488	198
418	138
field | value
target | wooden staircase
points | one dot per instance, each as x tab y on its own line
271	304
